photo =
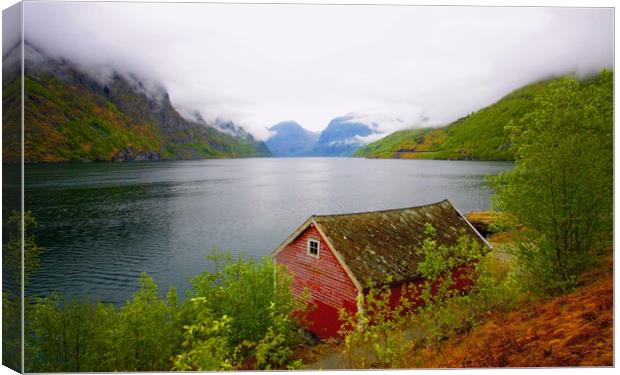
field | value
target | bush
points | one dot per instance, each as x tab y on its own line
243	309
254	300
146	332
274	350
245	289
372	335
12	283
206	345
68	335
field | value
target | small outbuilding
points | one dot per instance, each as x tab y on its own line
332	256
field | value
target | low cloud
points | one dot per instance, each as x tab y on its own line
387	118
260	64
370	138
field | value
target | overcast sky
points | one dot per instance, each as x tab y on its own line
261	64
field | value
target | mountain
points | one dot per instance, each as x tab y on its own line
342	137
290	139
74	115
478	136
221	124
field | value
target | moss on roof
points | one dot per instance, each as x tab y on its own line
378	244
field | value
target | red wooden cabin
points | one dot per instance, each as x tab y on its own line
334	255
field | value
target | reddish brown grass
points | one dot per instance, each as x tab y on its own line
486	216
571	330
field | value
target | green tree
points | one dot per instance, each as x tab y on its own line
245	289
147	333
205	342
561	188
11	294
244	308
274	350
67	335
441	288
11	252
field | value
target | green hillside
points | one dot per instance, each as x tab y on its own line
70	117
478	136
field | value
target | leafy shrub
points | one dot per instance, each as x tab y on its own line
243	309
371	335
253	293
274	350
501	222
68	335
382	333
12	285
146	333
205	342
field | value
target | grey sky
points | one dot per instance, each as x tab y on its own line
261	64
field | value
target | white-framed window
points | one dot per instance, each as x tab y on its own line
314	247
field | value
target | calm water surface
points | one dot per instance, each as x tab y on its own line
102	224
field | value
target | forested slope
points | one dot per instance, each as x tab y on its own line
72	116
482	135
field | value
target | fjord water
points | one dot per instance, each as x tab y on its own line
102	224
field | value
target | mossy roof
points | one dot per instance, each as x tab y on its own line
378	244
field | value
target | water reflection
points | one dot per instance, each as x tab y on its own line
103	223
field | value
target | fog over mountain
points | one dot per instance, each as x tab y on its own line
343	136
82	115
257	65
288	138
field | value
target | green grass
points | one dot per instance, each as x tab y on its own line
384	148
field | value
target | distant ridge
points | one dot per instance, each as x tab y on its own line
342	137
290	139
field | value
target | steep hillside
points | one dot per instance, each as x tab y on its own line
571	330
387	146
290	139
575	329
478	136
341	137
71	116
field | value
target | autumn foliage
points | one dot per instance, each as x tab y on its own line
572	330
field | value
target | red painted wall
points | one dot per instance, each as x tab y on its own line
329	285
461	277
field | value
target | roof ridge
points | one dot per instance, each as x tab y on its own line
387	210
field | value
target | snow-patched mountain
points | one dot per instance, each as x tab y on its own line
342	137
222	124
290	139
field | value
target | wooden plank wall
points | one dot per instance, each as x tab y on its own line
329	285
